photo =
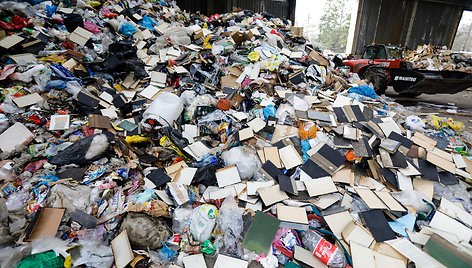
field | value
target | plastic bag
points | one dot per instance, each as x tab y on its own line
148	22
28	76
127	29
46	259
203	221
94	254
3	122
364	90
413	122
206	174
307	129
145	196
83	151
73	88
439	122
230	221
412	198
166	253
181	219
245	159
269	111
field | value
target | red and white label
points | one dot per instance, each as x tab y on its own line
324	250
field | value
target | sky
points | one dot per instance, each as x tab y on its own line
466	16
305	8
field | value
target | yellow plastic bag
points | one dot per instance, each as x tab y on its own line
254	56
137	139
455	125
93	3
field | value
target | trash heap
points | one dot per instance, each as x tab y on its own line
436	58
136	134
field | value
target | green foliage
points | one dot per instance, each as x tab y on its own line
334	25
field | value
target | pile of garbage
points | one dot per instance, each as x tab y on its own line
136	134
437	58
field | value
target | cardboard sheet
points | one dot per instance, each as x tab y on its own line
272	195
320	186
292	214
371	199
27	100
378	225
227	176
122	250
45	223
337	222
290	157
223	261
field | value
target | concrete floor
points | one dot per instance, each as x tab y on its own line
463	100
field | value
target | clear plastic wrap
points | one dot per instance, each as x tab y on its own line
230	220
412	198
454	193
181	219
245	159
17	200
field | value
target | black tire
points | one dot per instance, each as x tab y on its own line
379	78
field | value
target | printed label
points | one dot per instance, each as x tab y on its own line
324	250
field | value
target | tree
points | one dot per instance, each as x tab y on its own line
334	25
462	41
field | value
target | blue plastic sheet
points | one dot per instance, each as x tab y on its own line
148	22
145	196
127	29
364	91
269	111
305	148
56	84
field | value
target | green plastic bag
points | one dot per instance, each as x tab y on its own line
46	259
208	247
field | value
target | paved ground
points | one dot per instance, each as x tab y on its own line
463	100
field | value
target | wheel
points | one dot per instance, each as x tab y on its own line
379	78
410	95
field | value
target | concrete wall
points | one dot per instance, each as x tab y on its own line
406	22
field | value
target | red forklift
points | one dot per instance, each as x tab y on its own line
383	66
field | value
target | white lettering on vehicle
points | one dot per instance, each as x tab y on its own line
384	64
405	78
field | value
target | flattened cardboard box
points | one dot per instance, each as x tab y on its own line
272	195
99	121
320	186
15	135
292	214
227	176
45	222
27	100
122	250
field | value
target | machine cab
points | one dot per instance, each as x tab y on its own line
382	52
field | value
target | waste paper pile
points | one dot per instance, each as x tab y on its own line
136	134
435	58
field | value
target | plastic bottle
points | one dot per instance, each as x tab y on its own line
5	172
324	250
